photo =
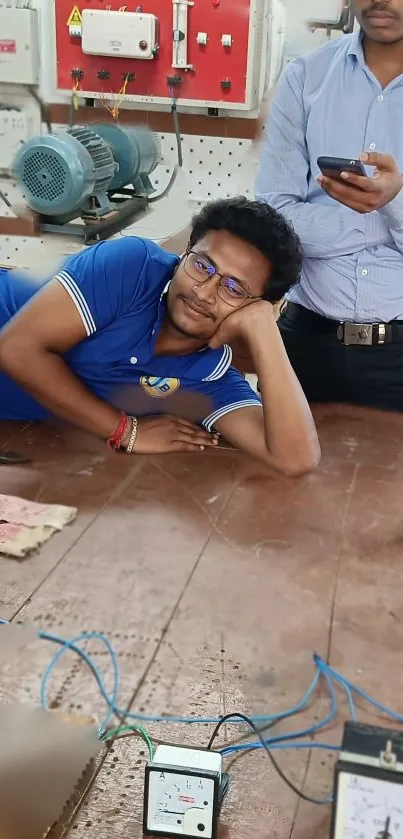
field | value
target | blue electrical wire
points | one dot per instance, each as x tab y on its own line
310	730
243	747
322	669
122	712
306	732
111	701
266	718
269	746
283	746
379	705
72	645
341	681
280	742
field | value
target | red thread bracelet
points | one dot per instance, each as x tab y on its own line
114	442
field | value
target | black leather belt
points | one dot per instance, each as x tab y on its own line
349	334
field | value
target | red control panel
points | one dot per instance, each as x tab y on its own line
220	39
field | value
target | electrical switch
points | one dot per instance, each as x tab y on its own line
226	40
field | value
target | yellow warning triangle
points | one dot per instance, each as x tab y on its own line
75	18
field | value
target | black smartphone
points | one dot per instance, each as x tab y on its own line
332	167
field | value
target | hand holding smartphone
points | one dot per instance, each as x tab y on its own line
347	182
332	167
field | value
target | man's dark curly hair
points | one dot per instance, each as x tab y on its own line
259	225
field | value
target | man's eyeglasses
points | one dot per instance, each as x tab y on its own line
200	269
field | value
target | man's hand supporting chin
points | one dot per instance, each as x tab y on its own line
283	434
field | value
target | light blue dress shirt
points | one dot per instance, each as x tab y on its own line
330	103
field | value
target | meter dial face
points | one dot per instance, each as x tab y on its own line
171	795
368	807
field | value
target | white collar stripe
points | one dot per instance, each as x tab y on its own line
210	421
222	365
78	298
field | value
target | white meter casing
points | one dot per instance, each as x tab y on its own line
183	793
368	792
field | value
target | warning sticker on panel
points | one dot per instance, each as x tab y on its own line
75	18
7	45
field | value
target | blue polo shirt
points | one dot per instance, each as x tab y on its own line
119	290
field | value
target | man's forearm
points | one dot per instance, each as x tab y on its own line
289	427
48	380
392	214
327	232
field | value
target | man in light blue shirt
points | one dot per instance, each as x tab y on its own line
343	325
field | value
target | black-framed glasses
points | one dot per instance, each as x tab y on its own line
200	268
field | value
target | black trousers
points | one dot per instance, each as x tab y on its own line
331	372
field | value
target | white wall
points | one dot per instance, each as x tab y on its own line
298	38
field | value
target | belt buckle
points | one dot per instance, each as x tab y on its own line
356	334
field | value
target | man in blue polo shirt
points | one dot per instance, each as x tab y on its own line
124	330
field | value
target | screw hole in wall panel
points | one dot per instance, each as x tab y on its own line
215	168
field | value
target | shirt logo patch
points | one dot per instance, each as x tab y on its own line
159	386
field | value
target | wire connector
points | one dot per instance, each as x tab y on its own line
174	81
388	759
